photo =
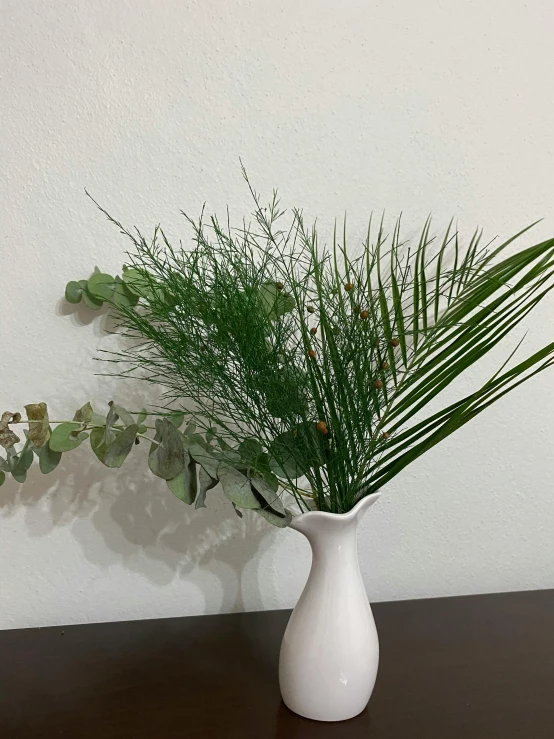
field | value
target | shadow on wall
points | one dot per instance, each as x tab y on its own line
143	526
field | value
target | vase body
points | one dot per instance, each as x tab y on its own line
330	650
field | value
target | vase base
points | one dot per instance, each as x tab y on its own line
326	716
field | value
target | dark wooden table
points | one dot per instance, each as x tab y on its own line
479	667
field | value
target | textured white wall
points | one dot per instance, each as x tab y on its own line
412	106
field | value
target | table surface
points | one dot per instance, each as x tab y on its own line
477	667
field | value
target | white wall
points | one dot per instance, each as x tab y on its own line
357	105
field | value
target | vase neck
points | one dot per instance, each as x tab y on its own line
333	534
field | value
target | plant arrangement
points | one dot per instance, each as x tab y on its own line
308	375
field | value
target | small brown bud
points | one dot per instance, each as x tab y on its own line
364	315
310	309
279	285
311	354
385	365
395	342
313	331
385	435
348	287
321	426
378	384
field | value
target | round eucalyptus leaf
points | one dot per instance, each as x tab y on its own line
98	442
276	519
123	297
73	292
67	436
275	302
236	487
48	460
126	418
120	447
185	485
166	458
205	482
101	286
137	282
202	453
176	418
92	302
250	451
270	497
294	452
20	464
97	419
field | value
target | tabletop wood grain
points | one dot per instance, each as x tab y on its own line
478	667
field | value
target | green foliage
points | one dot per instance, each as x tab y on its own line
73	292
117	451
324	360
307	369
185	459
67	436
167	457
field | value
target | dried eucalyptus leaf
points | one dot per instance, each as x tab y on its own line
185	485
120	447
166	458
67	436
73	292
85	414
236	487
205	482
39	426
7	437
239	514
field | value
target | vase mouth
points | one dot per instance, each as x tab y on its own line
354	514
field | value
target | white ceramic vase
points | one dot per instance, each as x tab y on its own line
330	650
